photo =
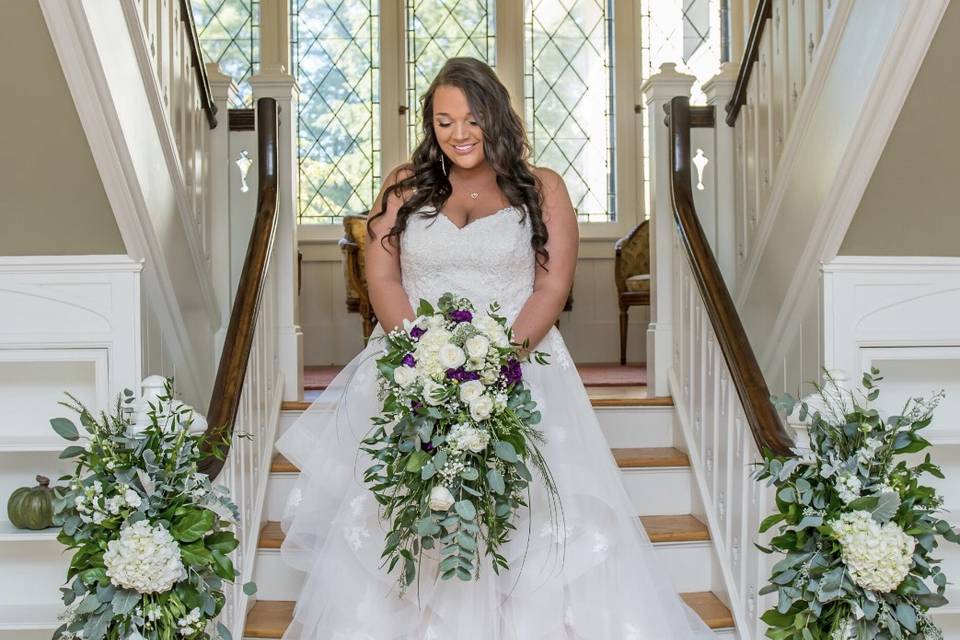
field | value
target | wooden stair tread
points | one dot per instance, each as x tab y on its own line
710	609
659	529
650	457
675	529
608	396
270	618
630	458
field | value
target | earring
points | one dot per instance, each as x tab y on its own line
443	163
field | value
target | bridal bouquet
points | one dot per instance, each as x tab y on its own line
150	535
455	441
857	529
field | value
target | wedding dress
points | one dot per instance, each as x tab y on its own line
597	579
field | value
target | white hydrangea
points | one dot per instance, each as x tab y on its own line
145	558
869	450
877	557
848	487
491	329
466	438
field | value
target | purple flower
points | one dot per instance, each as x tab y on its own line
462	375
416	404
416	332
511	371
460	315
426	446
409	360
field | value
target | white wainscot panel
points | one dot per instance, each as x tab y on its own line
911	372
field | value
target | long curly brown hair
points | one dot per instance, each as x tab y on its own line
505	148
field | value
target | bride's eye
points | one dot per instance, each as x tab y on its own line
443	125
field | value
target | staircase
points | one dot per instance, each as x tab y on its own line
656	472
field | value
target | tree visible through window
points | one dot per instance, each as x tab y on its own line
568	69
336	57
229	32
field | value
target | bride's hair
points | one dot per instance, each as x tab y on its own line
505	148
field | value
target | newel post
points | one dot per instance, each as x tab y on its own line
273	81
719	90
657	92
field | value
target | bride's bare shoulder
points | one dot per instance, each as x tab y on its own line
553	192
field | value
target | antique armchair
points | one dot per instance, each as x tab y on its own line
352	245
632	274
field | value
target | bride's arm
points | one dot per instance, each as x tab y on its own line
387	295
552	284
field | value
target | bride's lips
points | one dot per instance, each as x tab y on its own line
463	149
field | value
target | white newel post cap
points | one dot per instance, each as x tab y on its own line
719	88
222	86
667	83
151	389
273	81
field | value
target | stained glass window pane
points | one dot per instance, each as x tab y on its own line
229	32
336	55
568	75
438	30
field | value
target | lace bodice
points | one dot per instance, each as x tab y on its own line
488	260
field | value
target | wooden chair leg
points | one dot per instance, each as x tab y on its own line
623	334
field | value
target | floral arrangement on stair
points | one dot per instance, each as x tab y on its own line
456	438
150	534
855	524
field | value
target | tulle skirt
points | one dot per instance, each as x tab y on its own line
595	577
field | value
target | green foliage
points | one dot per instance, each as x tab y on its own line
412	455
132	468
854	464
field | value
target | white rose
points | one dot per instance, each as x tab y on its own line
440	498
476	441
489	376
404	376
481	407
429	389
451	356
434	339
477	347
471	390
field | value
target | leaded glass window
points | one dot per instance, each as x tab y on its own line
336	55
438	30
229	32
568	79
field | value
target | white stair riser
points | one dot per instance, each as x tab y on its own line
636	426
658	491
688	563
622	426
40	567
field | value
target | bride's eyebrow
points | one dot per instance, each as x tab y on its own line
444	113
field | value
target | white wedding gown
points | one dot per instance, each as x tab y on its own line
603	583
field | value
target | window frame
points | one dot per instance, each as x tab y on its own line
510	66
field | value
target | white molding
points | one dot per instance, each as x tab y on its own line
902	60
76	50
70	264
170	154
825	55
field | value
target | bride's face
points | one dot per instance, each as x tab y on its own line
457	130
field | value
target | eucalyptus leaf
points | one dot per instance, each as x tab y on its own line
65	429
465	509
124	601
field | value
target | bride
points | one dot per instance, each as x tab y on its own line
471	216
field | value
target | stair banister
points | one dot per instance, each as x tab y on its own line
234	359
765	425
196	61
750	55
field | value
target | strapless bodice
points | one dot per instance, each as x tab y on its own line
488	260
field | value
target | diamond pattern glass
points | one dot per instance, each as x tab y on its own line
229	32
438	30
336	56
568	76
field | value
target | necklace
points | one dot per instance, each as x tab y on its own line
474	194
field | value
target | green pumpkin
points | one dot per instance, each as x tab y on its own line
32	507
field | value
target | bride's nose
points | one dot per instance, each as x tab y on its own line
459	133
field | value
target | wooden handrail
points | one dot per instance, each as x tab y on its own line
750	55
225	399
196	61
768	432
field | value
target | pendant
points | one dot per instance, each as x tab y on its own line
474	195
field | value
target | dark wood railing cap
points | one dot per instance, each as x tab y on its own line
768	431
196	61
232	369
750	55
